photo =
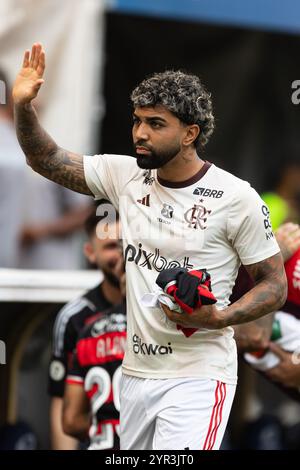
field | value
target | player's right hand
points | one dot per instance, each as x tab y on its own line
30	78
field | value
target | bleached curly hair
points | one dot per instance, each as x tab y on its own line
182	94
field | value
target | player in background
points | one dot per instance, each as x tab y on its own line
255	336
102	250
91	400
176	391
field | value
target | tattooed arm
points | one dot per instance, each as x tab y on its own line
42	153
268	295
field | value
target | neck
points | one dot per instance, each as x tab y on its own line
111	293
182	167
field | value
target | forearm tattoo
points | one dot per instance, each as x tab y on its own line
268	295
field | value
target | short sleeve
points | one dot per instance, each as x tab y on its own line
56	375
249	227
63	343
107	175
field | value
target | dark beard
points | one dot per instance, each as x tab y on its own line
112	279
156	159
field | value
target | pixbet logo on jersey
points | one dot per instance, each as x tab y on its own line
154	260
147	349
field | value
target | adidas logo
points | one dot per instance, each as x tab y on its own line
145	200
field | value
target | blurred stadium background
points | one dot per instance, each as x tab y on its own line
248	55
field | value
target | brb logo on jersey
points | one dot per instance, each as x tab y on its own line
147	349
206	192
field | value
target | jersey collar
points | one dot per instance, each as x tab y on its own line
188	182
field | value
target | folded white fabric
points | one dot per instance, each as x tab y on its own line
157	296
289	340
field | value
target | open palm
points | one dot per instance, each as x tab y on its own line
30	78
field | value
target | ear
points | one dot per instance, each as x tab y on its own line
192	133
88	250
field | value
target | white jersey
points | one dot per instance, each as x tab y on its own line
213	221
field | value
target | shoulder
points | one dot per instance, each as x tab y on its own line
112	160
70	313
119	170
230	182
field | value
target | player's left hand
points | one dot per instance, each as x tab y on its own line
288	370
208	316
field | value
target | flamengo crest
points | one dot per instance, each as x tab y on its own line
196	217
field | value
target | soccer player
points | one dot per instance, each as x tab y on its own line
104	252
176	210
255	335
91	400
287	372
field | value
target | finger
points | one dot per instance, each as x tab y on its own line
41	64
167	311
32	57
280	353
26	58
37	56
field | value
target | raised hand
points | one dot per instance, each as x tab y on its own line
30	78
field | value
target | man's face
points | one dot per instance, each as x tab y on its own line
157	136
103	249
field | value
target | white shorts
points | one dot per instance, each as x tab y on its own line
173	414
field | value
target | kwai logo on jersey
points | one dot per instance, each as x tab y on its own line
154	260
267	222
206	192
196	217
149	349
111	323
